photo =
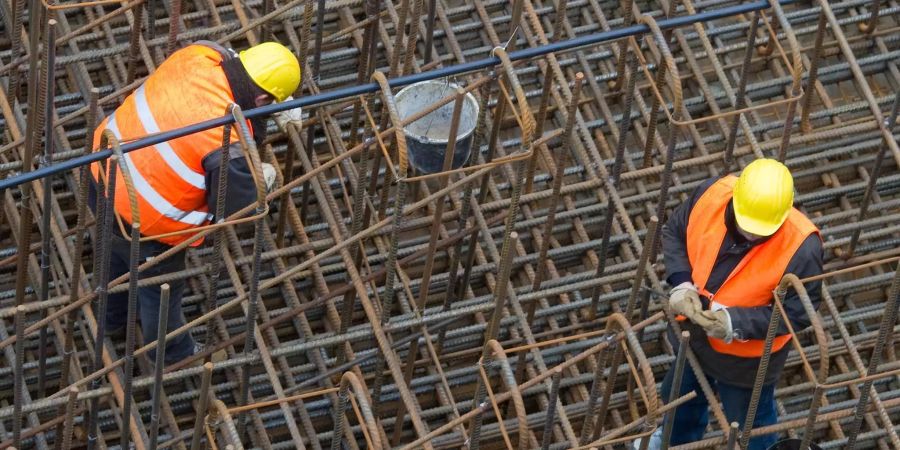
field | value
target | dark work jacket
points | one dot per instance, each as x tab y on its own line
747	322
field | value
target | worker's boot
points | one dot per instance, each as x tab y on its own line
655	441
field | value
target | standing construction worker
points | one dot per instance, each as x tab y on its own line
726	249
177	181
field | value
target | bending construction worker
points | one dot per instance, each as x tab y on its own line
726	249
177	181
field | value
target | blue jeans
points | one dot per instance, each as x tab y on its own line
148	297
692	417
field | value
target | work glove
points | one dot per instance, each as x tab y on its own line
684	300
291	116
269	176
717	324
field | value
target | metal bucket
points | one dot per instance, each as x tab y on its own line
426	138
792	444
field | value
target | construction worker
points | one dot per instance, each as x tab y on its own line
177	181
726	249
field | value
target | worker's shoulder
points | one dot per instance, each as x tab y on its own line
226	53
702	188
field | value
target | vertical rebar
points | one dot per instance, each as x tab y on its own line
649	247
389	281
885	332
681	357
587	428
134	43
890	124
151	19
359	217
548	74
218	237
160	363
268	6
813	72
492	329
733	432
252	304
625	122
15	47
628	19
104	226
740	100
550	416
130	325
482	191
34	128
435	230
19	374
174	24
453	277
429	31
46	160
367	56
202	405
65	438
314	80
78	252
655	104
338	419
543	262
761	373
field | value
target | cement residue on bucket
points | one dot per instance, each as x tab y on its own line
427	137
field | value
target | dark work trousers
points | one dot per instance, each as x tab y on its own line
692	417
177	348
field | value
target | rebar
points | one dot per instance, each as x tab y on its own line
597	119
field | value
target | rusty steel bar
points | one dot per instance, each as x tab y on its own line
603	159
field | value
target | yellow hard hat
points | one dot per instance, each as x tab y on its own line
763	197
273	68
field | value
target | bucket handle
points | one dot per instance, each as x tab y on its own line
525	119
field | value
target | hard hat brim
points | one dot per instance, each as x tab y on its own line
755	226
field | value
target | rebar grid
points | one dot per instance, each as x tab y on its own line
363	305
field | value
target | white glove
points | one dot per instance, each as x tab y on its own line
269	175
294	116
685	300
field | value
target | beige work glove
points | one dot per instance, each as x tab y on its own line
684	300
269	176
717	324
291	116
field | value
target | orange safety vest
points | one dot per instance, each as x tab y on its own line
188	87
754	279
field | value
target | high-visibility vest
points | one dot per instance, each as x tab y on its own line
756	276
188	87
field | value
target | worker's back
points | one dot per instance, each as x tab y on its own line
189	87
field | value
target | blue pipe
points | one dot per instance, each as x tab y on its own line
352	91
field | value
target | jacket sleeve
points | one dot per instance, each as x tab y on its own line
753	323
674	235
240	190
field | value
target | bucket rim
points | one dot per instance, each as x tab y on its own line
469	99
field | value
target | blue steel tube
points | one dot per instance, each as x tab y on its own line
362	89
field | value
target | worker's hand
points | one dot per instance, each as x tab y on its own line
717	324
684	300
269	176
291	116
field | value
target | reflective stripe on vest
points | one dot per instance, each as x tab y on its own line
149	194
165	150
187	88
756	276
